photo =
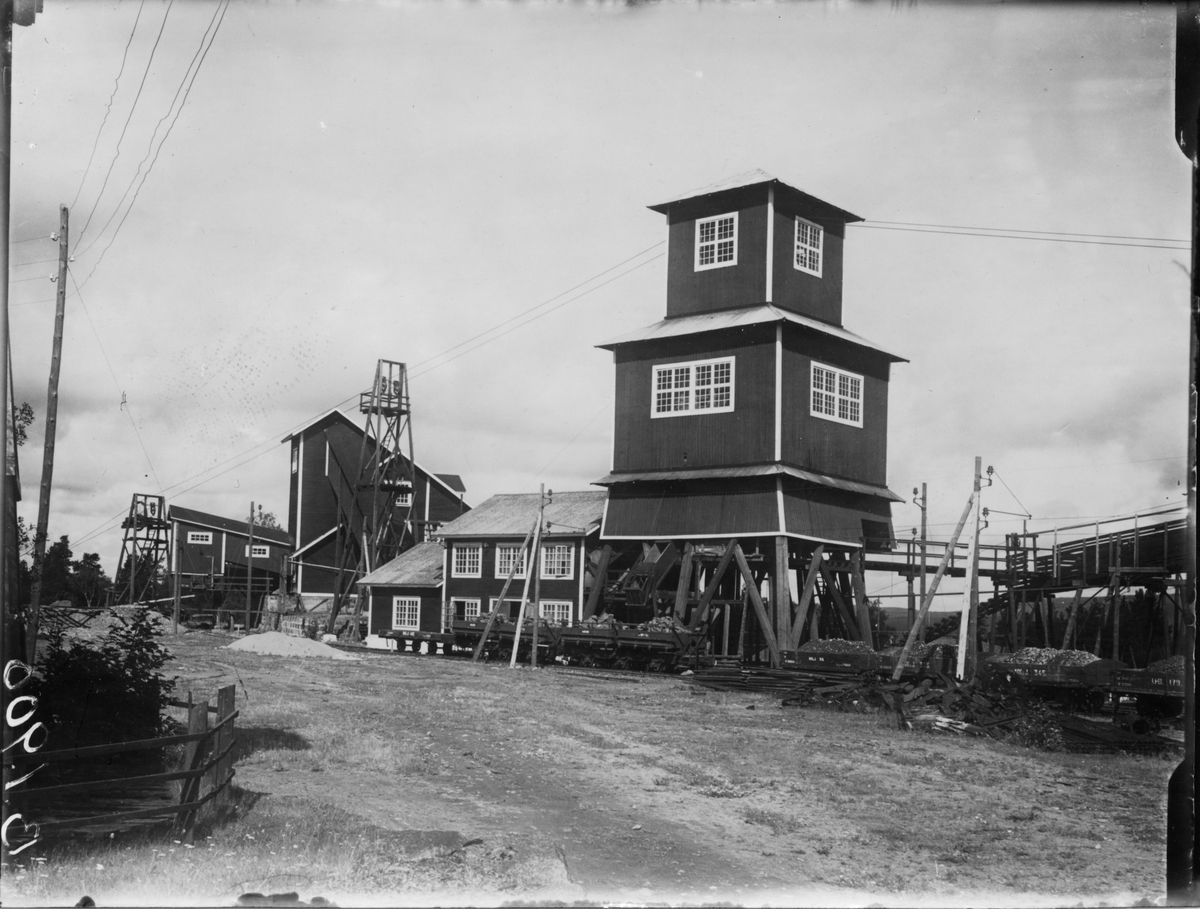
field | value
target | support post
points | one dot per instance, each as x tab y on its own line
710	591
536	567
531	566
685	582
763	619
806	596
512	573
781	596
597	591
250	570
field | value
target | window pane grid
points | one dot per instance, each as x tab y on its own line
684	388
808	246
836	395
506	556
467	560
716	241
558	560
406	612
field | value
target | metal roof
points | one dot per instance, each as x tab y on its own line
754	177
453	480
241	528
742	318
567	514
759	470
420	566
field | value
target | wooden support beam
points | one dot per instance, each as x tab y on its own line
598	582
862	609
685	582
839	603
711	590
806	596
487	627
1072	619
764	620
781	595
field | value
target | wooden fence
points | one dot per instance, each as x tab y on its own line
207	769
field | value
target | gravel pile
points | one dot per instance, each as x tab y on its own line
275	643
1171	665
1073	658
834	645
1033	656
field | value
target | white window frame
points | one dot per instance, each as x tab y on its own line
296	458
462	570
561	606
570	562
404	497
716	241
502	570
406	603
689	394
846	398
200	537
468	603
804	249
260	552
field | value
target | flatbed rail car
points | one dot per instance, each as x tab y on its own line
408	639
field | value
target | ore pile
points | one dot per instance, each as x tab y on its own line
1170	666
834	645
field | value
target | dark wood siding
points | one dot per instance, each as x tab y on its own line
444	504
693	508
822	445
488	585
194	558
832	514
745	284
381	607
798	291
743	436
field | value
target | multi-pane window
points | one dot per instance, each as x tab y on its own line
809	239
467	561
556	610
508	555
406	613
200	536
510	606
465	608
836	395
716	241
558	560
260	552
703	386
404	497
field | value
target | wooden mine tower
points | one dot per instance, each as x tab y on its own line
375	521
751	426
145	550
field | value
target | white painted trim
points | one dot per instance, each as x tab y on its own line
696	242
820	249
497	572
779	504
299	497
542	560
174	546
478	601
770	242
582	566
224	537
326	457
779	393
667	256
192	542
750	534
445	586
428	487
408	601
311	543
542	604
466	546
814	365
692	366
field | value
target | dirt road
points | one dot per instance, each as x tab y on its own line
647	788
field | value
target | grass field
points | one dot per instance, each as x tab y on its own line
416	780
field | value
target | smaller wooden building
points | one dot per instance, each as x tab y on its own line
405	595
482	546
212	553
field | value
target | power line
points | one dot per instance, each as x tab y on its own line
1005	236
133	108
1011	493
108	107
201	53
1018	230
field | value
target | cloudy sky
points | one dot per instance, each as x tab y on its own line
267	198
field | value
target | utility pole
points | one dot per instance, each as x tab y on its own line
537	579
970	608
175	573
43	521
249	569
921	502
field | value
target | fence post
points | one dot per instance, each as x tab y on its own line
192	760
226	699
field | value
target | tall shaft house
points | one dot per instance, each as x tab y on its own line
750	412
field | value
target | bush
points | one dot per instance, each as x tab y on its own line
108	691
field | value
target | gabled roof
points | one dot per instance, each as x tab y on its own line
567	514
228	525
757	177
741	318
451	481
420	566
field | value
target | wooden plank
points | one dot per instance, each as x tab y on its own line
75	754
685	582
781	596
862	610
226	701
810	585
193	759
1072	617
711	590
163	811
763	619
532	568
598	582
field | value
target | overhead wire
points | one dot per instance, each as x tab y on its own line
201	53
969	232
128	119
108	106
